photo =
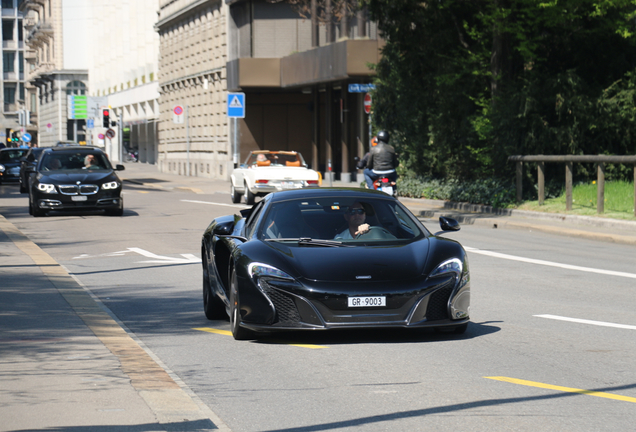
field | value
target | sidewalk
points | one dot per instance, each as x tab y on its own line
67	364
593	228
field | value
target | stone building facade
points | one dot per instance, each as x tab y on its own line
192	64
295	72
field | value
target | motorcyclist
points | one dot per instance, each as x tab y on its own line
382	161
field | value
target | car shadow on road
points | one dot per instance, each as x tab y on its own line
382	335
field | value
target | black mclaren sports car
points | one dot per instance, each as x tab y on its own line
74	178
331	258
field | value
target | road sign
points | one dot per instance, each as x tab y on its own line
77	107
177	115
367	103
236	105
90	123
26	137
110	133
100	136
361	88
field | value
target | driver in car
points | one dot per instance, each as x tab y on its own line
355	217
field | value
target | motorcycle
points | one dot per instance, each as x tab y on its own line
385	185
383	182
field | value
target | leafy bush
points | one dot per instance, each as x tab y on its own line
491	192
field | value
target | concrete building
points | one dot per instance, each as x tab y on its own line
192	78
294	71
16	91
123	69
57	67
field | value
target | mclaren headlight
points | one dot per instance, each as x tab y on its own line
110	185
47	188
453	266
259	270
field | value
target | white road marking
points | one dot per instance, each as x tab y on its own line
584	321
550	263
218	204
187	258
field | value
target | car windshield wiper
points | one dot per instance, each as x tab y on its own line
312	242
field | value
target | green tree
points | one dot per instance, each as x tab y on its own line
465	84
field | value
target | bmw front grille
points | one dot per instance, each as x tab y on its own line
79	189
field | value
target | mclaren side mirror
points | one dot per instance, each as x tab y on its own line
119	167
448	224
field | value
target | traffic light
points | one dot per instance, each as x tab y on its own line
106	118
14	137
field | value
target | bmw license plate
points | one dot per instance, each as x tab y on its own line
79	198
376	301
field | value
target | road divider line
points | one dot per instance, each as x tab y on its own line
563	389
229	333
218	204
584	321
550	263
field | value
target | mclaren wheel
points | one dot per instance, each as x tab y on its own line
238	332
212	306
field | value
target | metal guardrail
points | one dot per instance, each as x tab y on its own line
569	160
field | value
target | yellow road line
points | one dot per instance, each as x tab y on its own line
229	333
564	389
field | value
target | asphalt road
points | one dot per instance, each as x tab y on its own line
551	346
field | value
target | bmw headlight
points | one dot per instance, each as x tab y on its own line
2	168
258	270
110	185
47	188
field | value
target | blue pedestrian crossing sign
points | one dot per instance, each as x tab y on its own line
236	105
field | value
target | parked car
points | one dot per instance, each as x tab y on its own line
291	262
10	164
267	171
29	159
75	178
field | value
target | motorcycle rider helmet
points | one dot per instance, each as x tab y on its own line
374	141
383	136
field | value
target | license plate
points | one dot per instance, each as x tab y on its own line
79	198
288	185
387	190
376	301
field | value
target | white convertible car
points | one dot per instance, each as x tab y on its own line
267	171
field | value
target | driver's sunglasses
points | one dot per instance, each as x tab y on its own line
359	211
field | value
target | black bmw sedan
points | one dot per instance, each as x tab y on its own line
332	258
10	164
75	178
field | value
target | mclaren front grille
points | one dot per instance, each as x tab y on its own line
286	310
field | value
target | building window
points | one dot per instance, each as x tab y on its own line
7	30
21	91
76	88
8	62
20	32
9	94
21	62
7	4
33	102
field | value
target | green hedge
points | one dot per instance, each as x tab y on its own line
490	192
